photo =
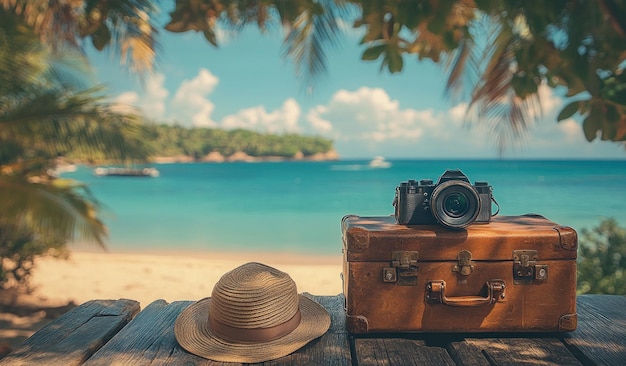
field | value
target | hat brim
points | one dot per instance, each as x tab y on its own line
194	335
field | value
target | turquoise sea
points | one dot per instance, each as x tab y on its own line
297	206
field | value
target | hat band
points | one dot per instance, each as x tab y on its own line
254	335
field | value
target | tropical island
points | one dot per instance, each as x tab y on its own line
164	143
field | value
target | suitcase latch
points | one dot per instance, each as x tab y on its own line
403	270
465	266
526	271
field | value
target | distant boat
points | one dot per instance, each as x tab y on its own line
379	162
126	172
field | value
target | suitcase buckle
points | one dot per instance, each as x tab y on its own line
526	271
403	270
465	265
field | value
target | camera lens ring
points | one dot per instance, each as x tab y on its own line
452	196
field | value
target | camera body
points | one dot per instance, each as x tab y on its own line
452	202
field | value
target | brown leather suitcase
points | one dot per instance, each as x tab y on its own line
515	274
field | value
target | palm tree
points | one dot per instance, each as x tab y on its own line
44	112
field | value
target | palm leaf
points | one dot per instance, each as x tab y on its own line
310	34
53	121
64	24
494	102
57	211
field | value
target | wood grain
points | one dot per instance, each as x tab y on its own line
398	351
601	335
76	335
149	340
512	351
101	332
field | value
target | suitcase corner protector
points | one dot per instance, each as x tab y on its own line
568	322
357	324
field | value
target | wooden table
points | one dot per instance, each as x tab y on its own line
106	332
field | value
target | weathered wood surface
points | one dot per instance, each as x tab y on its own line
512	351
74	336
398	351
149	340
601	335
99	333
600	339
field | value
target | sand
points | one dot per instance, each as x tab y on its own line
169	276
146	277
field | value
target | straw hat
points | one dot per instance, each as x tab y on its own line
254	314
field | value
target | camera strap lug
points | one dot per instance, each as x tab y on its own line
403	270
493	199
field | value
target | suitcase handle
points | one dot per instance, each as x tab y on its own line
435	294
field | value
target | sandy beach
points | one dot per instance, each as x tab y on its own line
169	276
147	277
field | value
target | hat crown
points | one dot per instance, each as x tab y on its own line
254	296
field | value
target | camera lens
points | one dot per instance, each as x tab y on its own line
455	204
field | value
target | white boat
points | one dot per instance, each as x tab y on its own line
379	162
126	172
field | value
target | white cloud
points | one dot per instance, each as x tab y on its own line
153	102
367	121
191	99
457	113
318	123
192	105
125	102
364	122
284	119
370	114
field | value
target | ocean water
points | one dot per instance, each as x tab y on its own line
297	206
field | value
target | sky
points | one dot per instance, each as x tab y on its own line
248	83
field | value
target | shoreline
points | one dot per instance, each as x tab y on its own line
169	275
59	284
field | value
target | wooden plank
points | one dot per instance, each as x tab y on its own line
149	339
76	335
331	349
530	350
600	338
398	351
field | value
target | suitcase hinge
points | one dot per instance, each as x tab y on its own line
526	271
465	266
403	270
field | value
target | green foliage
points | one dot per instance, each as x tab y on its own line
18	251
602	259
167	140
45	112
505	49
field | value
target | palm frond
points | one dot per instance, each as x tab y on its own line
494	102
22	59
56	210
457	65
311	33
55	121
126	26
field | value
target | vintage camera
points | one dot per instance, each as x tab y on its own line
452	202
